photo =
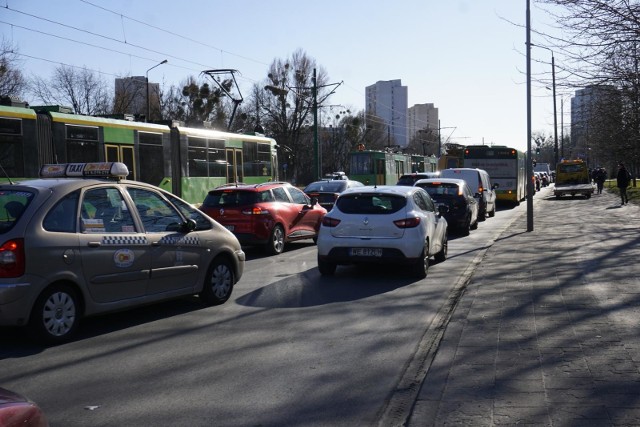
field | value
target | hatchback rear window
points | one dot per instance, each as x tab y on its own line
236	198
327	186
371	203
12	205
441	189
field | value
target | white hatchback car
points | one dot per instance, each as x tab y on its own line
383	224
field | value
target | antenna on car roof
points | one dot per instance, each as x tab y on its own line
6	174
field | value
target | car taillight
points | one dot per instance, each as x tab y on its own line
407	222
330	222
12	258
255	211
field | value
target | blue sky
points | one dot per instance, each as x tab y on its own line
464	56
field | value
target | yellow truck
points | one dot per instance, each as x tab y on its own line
572	177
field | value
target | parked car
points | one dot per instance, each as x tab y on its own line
86	241
326	191
383	225
18	411
462	206
479	183
269	214
411	178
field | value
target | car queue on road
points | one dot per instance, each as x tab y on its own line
83	240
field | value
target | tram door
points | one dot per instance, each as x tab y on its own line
124	154
235	172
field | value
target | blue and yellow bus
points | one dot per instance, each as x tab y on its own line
506	167
186	161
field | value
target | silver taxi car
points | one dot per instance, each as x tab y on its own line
82	240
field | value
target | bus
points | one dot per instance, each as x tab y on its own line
375	167
506	167
186	161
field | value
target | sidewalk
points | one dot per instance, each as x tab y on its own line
548	331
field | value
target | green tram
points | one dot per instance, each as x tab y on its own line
384	168
186	161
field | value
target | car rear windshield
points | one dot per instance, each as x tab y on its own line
12	205
371	203
326	186
440	188
236	198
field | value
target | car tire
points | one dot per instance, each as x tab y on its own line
442	255
482	214
421	266
474	226
218	283
326	268
55	315
275	245
493	211
465	230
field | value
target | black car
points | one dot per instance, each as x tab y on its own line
411	178
326	191
462	214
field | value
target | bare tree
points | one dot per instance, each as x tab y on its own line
285	108
12	82
599	46
83	90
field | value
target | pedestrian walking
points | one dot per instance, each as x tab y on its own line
600	176
623	178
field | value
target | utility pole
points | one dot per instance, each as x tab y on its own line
316	145
529	167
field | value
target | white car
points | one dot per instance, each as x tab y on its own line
383	224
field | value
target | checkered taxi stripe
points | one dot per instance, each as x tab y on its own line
124	240
180	240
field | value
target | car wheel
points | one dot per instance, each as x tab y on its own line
55	314
493	212
326	268
218	282
275	245
421	266
442	255
465	230
482	214
474	226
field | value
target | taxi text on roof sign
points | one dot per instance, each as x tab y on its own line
74	170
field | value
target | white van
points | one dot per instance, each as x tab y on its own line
479	184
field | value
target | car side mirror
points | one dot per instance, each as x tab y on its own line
314	201
496	185
188	226
443	209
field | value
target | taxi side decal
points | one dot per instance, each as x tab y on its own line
180	240
123	240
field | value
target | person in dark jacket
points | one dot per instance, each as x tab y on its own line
623	178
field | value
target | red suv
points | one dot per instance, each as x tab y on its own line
269	214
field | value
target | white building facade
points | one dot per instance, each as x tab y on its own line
388	100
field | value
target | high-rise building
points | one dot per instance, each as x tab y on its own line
422	118
131	96
388	100
595	115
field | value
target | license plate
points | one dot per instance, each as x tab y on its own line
375	252
229	227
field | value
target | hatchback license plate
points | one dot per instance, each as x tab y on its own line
376	252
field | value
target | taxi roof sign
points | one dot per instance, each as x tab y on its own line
116	170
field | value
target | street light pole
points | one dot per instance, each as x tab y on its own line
147	83
529	167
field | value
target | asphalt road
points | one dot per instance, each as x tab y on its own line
289	348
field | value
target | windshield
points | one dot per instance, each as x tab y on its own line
326	186
12	205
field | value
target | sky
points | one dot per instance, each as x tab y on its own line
467	57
